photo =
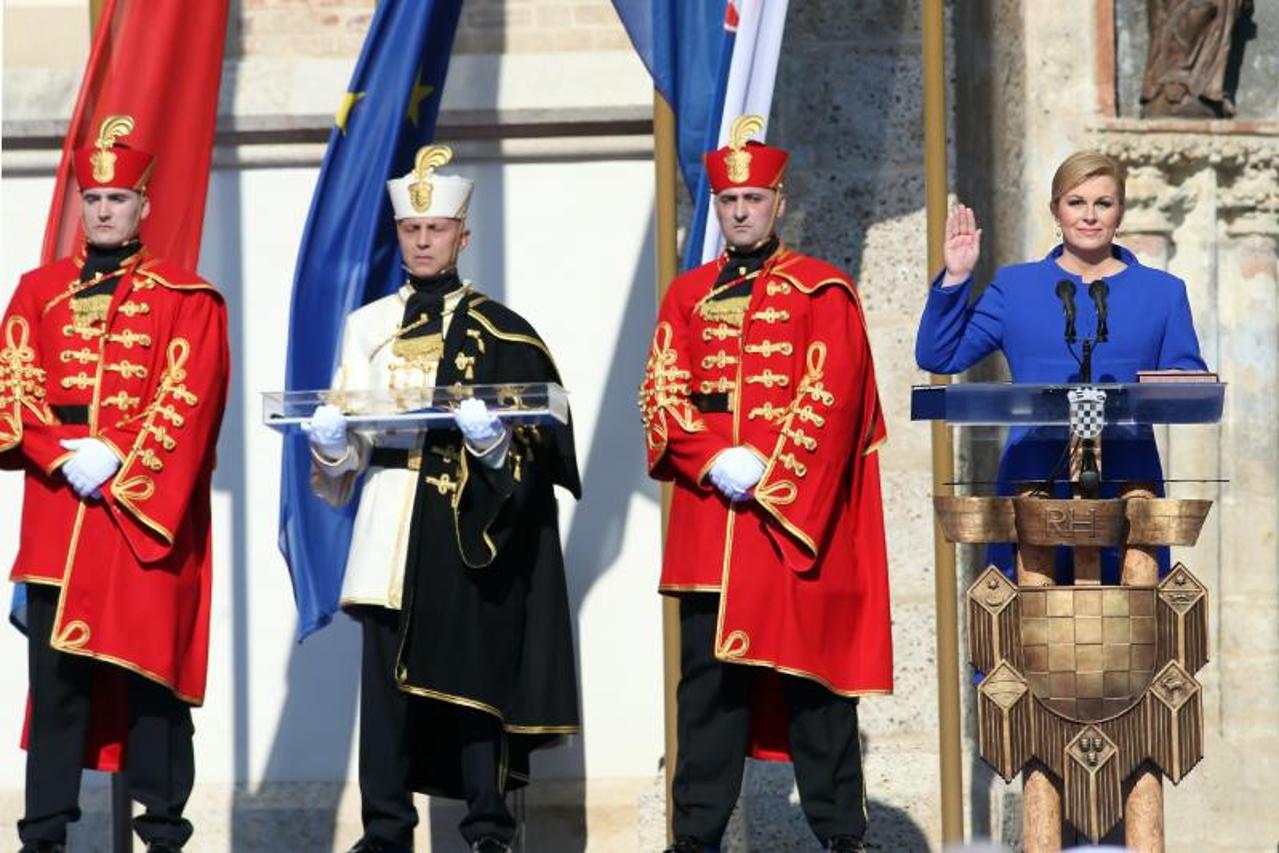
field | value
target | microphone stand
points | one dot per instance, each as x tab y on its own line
1089	470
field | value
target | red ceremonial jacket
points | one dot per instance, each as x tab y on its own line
134	566
801	569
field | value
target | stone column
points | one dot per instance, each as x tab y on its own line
1248	600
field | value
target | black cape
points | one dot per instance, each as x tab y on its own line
485	623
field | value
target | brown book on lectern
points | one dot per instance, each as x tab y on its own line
1170	376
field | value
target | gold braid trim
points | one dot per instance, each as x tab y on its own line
133	490
811	390
21	382
665	391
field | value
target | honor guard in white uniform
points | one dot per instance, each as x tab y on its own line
394	345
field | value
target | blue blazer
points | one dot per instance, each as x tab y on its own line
1019	314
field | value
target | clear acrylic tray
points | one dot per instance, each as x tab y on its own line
423	408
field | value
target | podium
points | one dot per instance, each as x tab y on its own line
1088	690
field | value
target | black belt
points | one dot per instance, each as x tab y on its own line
395	457
719	402
77	415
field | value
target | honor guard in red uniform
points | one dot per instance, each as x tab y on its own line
113	378
760	405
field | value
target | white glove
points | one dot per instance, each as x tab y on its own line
480	428
735	473
93	464
327	431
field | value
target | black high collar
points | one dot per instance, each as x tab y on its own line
742	263
754	256
100	260
435	285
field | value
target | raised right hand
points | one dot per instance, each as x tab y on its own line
962	247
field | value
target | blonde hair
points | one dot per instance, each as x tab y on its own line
1081	166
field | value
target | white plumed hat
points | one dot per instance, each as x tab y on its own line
423	193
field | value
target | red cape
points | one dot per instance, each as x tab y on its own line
134	567
802	569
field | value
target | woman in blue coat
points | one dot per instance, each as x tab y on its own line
1020	314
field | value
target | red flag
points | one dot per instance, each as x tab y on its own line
159	61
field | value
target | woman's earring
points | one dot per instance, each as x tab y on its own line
1057	230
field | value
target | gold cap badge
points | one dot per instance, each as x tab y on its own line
429	158
103	160
739	159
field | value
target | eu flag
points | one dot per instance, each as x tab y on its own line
349	257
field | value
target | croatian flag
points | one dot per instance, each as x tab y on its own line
712	62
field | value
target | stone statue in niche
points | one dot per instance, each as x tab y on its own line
1187	63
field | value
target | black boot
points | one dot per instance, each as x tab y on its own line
43	847
844	844
686	844
377	845
489	844
163	847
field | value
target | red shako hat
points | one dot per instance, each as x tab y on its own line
745	162
110	163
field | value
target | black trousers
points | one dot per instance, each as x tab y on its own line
386	720
159	755
714	726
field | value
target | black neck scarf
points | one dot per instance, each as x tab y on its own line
427	299
742	263
101	261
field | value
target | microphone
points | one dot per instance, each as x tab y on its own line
1099	290
1066	293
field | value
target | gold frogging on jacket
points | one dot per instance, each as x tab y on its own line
429	158
21	382
720	332
768	379
666	390
172	388
811	388
128	339
772	315
103	160
739	158
768	348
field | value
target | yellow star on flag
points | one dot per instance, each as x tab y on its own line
419	94
344	109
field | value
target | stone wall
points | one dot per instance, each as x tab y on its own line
1204	204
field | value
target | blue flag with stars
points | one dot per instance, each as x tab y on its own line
349	257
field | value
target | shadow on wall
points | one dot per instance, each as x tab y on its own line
612	474
313	736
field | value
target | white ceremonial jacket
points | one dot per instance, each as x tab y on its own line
379	542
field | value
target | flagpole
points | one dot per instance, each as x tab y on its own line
945	576
665	160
